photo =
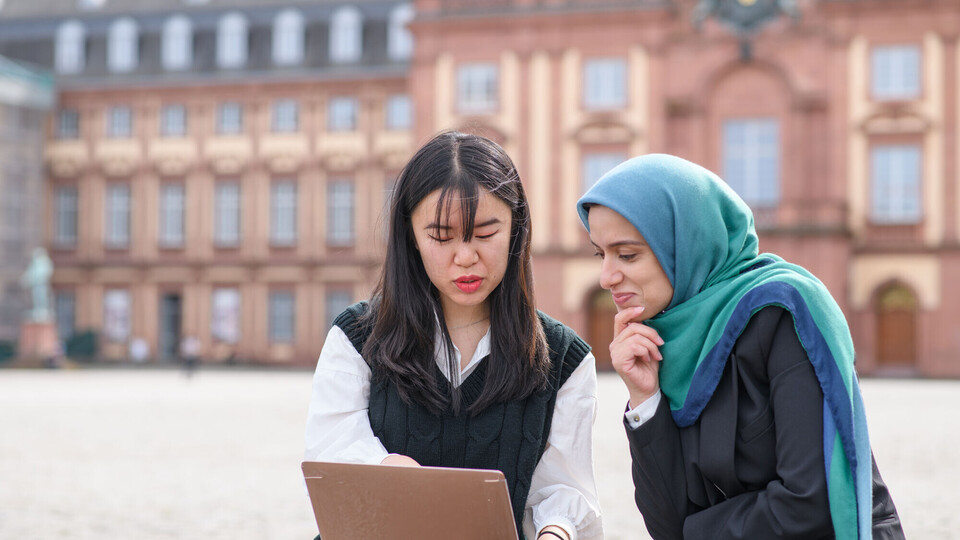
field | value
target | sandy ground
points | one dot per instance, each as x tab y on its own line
152	454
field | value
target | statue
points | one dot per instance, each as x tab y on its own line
37	279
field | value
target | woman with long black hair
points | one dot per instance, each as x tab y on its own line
449	363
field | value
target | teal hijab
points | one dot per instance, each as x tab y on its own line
703	235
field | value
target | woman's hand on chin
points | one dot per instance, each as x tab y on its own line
635	353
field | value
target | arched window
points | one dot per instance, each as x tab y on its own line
71	47
288	37
122	49
177	42
399	39
232	41
346	35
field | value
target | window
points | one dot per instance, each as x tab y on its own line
281	316
399	115
89	5
70	47
288	38
283	213
119	122
399	39
65	310
177	50
895	176
13	207
895	72
751	160
227	214
346	35
173	121
230	118
477	88
336	301
66	215
123	47
171	215
340	213
286	114
232	41
225	323
118	216
116	314
342	114
597	164
604	83
68	124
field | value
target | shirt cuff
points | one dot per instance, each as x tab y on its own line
642	412
562	522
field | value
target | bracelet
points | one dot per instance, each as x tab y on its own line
552	533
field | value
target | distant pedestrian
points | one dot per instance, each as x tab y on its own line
190	353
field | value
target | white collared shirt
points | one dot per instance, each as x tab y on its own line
563	488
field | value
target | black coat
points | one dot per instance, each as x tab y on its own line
751	467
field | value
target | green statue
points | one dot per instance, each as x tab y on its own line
37	280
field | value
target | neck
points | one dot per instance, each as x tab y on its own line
456	317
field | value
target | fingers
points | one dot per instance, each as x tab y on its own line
625	317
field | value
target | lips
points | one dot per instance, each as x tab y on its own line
622	299
468	284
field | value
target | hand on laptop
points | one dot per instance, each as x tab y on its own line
399	460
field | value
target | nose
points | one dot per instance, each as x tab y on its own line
466	255
610	274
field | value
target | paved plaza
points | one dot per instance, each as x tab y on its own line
151	454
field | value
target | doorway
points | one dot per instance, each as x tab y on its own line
600	313
896	336
170	316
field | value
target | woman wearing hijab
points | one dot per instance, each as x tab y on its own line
745	417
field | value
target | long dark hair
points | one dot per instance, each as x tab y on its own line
406	305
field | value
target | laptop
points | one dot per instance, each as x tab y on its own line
374	502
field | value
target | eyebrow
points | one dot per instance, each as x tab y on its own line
437	226
621	243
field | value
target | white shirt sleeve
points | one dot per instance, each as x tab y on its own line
563	490
638	415
338	428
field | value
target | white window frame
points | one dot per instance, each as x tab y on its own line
341	204
604	83
399	112
288	37
751	159
71	41
399	37
119	122
67	201
123	45
286	116
282	308
116	315
283	213
173	120
177	47
225	315
896	184
230	118
172	214
227	214
346	35
68	124
232	40
478	87
896	72
593	165
65	312
118	203
342	114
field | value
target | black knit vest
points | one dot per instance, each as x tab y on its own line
510	437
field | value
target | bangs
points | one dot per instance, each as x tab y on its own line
460	189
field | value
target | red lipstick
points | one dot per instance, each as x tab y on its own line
468	284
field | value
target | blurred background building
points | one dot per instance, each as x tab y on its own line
218	168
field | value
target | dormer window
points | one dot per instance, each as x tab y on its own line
346	35
288	38
71	47
399	38
89	5
232	41
177	43
123	50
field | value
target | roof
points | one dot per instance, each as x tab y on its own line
15	9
